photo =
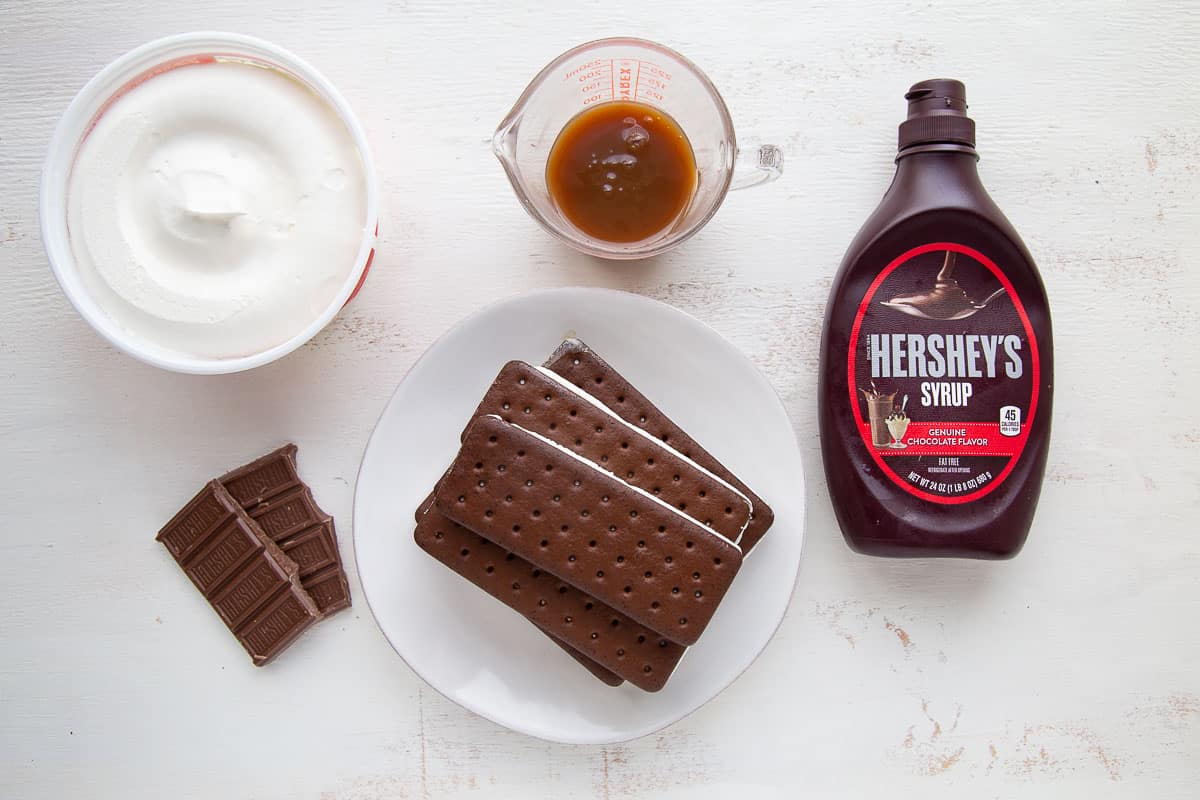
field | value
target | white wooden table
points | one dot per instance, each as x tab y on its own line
1069	672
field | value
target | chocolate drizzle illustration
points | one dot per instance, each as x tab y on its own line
946	301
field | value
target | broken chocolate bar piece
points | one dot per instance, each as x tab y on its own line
270	490
248	580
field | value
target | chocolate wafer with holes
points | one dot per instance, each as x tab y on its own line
517	566
547	404
569	517
247	579
271	491
600	673
576	362
602	640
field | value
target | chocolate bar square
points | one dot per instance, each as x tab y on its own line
271	491
251	584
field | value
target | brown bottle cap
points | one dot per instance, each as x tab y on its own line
937	113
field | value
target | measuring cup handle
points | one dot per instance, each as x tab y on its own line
755	165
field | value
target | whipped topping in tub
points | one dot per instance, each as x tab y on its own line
217	208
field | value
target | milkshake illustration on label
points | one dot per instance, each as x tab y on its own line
888	422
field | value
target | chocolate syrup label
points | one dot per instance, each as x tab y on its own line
943	373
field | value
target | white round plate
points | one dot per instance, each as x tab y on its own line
478	652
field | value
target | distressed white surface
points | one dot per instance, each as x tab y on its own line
1071	671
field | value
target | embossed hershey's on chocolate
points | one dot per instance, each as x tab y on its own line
271	492
249	581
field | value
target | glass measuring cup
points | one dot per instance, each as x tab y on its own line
641	71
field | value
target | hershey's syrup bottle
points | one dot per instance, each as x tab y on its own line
937	366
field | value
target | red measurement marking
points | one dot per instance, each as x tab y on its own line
581	69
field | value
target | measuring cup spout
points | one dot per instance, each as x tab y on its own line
504	146
504	140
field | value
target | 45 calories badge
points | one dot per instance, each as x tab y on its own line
943	373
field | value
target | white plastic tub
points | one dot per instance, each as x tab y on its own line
108	85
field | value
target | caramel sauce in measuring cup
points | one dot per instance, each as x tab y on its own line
621	171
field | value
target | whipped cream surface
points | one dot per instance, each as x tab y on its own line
216	209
